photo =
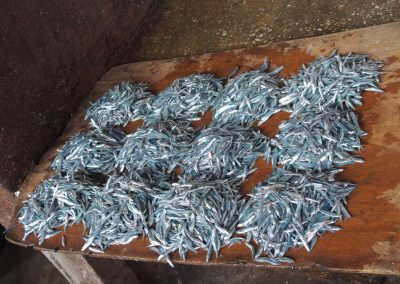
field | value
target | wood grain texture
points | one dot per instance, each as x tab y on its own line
370	240
73	267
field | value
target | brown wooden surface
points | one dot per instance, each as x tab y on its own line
370	240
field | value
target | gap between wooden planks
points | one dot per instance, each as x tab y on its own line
370	240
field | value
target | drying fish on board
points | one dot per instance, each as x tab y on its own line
179	186
123	103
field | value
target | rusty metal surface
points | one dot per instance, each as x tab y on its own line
370	241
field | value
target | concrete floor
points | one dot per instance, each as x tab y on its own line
186	27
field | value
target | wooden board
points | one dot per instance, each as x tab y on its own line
370	240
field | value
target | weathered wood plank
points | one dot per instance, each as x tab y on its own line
370	241
73	267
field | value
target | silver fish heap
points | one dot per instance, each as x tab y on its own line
229	151
179	186
335	82
56	202
117	213
323	130
186	99
249	97
291	210
123	103
315	141
192	216
89	152
155	150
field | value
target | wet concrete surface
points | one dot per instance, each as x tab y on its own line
186	27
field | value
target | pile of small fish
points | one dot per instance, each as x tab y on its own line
123	103
57	201
180	186
116	213
291	210
155	150
251	96
187	99
89	152
224	152
323	129
192	216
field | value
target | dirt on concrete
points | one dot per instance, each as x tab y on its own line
52	54
186	27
